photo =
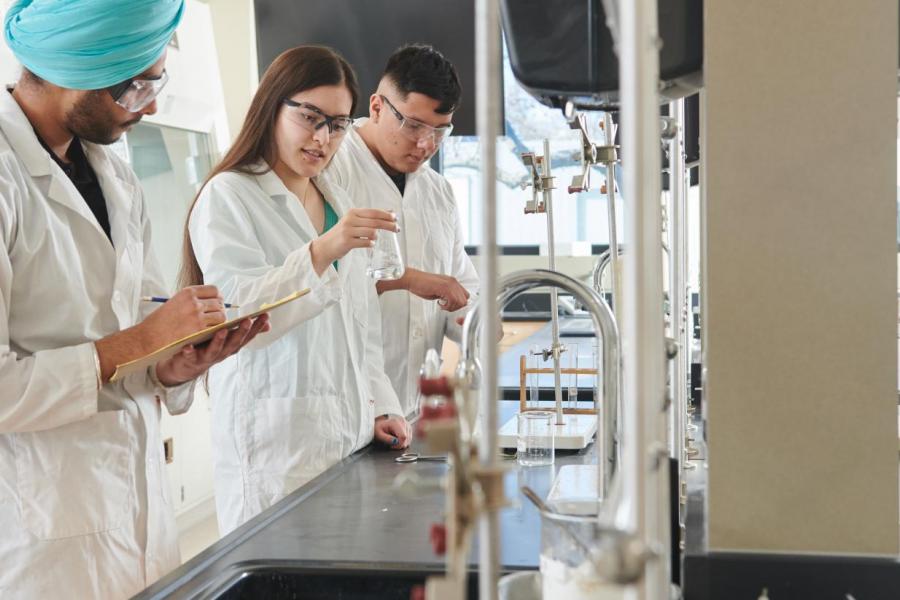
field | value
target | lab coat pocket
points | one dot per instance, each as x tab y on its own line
74	480
295	439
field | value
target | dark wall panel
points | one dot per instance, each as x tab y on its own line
366	32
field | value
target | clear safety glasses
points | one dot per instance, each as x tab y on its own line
311	118
135	94
417	130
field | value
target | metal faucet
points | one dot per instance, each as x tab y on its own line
514	284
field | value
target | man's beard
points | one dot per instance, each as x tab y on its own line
90	121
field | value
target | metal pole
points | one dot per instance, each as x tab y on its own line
554	306
644	400
488	75
615	287
677	254
611	211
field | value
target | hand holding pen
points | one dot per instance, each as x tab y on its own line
161	299
190	310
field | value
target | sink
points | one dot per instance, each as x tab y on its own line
311	581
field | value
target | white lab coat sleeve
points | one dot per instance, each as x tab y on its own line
462	269
178	399
386	401
227	247
49	388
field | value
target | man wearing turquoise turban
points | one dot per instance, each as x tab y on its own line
84	500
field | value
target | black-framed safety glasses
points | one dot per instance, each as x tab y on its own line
416	130
137	93
311	118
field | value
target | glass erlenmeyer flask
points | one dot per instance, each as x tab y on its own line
385	258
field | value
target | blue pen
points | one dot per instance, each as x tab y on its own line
159	299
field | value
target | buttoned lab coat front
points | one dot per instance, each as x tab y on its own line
431	240
307	394
84	501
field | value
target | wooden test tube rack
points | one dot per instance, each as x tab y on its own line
524	371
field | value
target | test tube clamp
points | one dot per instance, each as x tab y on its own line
539	180
590	153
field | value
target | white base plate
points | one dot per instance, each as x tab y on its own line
575	433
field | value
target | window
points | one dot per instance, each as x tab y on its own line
578	217
171	164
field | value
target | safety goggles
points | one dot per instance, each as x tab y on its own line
417	130
311	118
136	94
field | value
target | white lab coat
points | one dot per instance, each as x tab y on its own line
431	241
84	501
308	393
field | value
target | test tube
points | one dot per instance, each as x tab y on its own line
534	379
572	396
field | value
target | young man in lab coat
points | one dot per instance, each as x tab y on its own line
383	164
84	502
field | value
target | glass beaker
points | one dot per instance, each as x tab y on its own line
385	257
535	443
522	585
574	549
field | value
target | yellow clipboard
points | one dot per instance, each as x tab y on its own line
166	352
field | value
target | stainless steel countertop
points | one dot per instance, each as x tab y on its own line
352	516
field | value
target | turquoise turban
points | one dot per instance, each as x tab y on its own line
90	44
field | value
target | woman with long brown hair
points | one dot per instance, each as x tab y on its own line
313	390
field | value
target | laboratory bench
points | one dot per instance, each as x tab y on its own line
349	533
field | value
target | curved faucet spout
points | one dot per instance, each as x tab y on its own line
603	261
516	283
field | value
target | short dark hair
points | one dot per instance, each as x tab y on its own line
422	69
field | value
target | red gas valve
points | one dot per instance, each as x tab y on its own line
441	390
438	537
439	386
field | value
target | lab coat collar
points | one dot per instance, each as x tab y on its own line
357	139
118	193
270	183
24	142
273	187
22	138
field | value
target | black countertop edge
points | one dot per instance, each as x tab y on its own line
197	565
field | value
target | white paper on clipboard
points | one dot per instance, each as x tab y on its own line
168	351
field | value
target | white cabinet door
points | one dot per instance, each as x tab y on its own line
196	452
190	471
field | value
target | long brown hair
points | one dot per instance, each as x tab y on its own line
295	70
